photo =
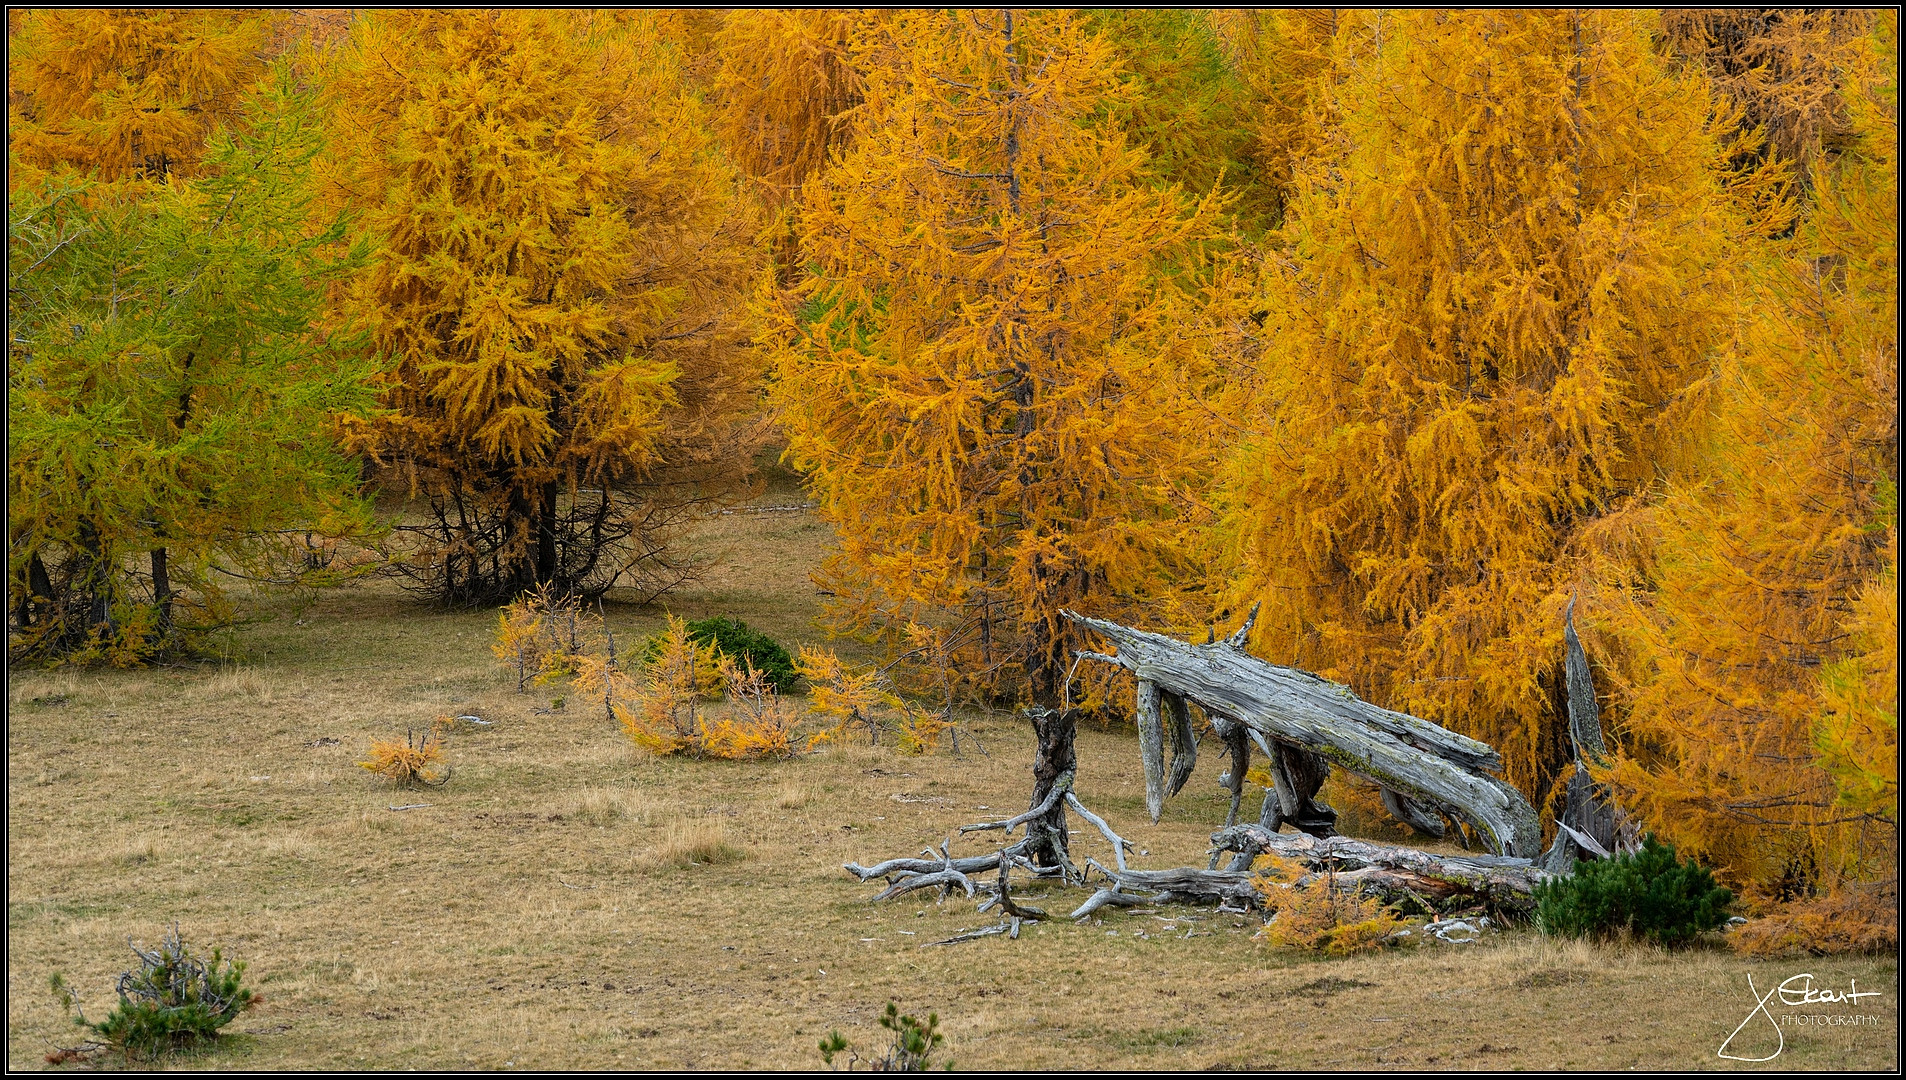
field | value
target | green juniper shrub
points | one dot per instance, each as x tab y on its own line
1650	893
742	643
913	1044
171	1000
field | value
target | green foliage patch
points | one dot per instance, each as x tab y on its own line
913	1043
742	643
1650	893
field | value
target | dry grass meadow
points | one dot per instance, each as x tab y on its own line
567	903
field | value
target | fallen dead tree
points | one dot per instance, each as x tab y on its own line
1295	717
1303	724
1398	874
1429	882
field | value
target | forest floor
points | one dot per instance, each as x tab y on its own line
553	906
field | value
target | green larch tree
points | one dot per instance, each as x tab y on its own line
171	391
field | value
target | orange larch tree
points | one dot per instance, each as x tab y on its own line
126	94
982	373
557	272
1762	625
1504	267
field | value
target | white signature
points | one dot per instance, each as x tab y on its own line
1789	994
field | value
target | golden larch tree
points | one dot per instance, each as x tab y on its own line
556	279
1783	68
1282	56
1762	625
118	94
981	372
1504	267
1188	107
785	80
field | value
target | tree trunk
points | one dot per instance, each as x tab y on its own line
546	535
1506	884
38	592
1286	707
162	590
1586	826
1055	758
94	581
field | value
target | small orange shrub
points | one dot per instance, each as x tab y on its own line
668	715
541	637
918	732
1854	920
849	698
1311	912
415	760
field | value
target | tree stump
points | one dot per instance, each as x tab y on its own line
1054	761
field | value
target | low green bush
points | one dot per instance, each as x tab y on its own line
1650	894
740	642
173	999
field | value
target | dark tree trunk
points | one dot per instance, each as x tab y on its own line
1298	776
94	581
519	561
546	536
1055	759
38	591
162	590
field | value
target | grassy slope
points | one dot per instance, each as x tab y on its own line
541	911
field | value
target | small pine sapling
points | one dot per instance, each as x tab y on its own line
1649	893
172	1000
913	1044
602	676
937	676
734	638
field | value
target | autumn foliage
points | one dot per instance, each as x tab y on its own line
418	758
979	372
1503	272
126	94
554	280
1408	325
670	714
1760	622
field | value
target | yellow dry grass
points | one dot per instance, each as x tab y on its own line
565	902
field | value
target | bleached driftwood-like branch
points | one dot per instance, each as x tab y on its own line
1431	766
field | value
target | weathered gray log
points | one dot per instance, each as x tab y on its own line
1182	885
1500	881
1585	826
1108	896
947	877
1414	814
1184	742
971	865
1406	754
1151	746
